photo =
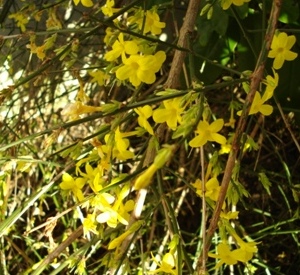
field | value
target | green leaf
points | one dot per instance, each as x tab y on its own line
296	192
289	12
265	182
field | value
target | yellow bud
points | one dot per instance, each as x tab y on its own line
163	155
144	179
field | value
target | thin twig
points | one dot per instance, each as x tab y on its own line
57	251
287	125
203	222
186	29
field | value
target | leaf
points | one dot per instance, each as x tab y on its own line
289	12
117	241
296	192
265	182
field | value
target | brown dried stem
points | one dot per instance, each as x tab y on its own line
231	162
179	56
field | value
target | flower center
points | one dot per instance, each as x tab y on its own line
280	50
135	66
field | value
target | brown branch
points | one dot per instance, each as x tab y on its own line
179	56
57	251
255	81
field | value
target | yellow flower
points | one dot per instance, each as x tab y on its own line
76	109
109	35
258	105
225	4
118	241
118	212
280	49
229	215
167	265
86	3
102	200
145	178
225	255
208	132
144	113
151	23
246	251
171	114
75	185
141	68
89	225
272	83
99	77
163	155
117	147
93	177
38	50
225	148
111	217
212	188
108	9
120	47
21	20
120	148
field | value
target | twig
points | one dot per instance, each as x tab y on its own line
186	29
203	206
287	125
56	252
255	81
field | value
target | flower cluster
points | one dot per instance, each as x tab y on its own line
111	208
98	185
134	59
281	51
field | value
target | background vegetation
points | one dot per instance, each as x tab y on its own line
103	167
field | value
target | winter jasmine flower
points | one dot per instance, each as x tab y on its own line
86	3
121	47
280	49
144	113
74	185
225	255
258	105
151	24
140	68
225	4
208	132
171	113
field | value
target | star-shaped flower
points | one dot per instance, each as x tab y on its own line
151	24
212	188
259	106
121	47
140	68
167	265
280	49
208	132
171	114
144	113
74	185
225	255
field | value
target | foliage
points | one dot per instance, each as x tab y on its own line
149	137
